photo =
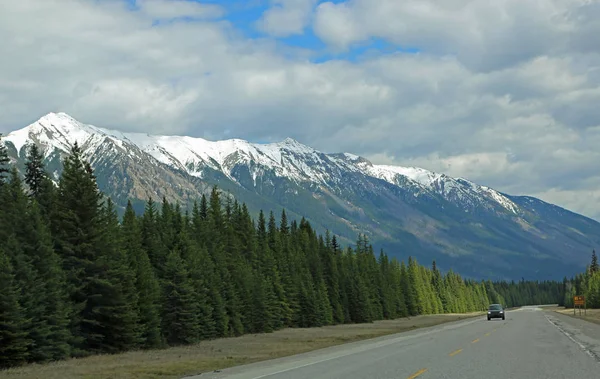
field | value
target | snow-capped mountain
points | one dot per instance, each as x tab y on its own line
419	212
288	159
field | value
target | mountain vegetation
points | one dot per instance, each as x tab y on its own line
586	284
478	231
76	280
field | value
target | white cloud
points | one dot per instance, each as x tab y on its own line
485	35
506	96
286	17
169	9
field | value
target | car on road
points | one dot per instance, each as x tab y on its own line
495	311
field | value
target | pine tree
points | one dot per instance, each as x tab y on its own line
13	337
216	228
146	283
151	238
51	337
408	288
594	266
180	312
201	272
35	173
203	208
41	188
398	290
4	162
13	218
17	234
114	303
78	238
332	278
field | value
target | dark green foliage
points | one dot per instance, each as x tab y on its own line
4	162
41	188
180	312
586	284
35	174
113	304
37	272
13	336
146	283
78	230
51	335
76	281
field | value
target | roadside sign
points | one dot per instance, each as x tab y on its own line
578	302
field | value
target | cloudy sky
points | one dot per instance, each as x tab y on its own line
503	92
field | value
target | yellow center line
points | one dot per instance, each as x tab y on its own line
475	341
455	352
413	376
487	334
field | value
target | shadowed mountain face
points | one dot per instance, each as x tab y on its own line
464	226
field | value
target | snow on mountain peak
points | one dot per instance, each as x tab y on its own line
288	158
453	189
419	175
55	130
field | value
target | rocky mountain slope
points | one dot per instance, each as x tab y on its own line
470	228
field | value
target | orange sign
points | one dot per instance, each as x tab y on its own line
579	300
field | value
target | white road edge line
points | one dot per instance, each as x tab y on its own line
581	346
297	367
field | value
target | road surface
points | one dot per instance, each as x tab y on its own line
530	344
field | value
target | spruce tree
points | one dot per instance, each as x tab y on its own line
151	238
52	337
35	173
180	312
408	288
146	283
41	187
16	234
594	265
78	238
13	219
4	162
14	342
332	278
113	305
216	248
201	273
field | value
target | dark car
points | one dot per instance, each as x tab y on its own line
495	311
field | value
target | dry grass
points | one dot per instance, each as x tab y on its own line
207	356
592	315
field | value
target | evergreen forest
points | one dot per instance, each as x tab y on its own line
76	279
586	284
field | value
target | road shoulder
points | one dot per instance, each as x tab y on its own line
584	333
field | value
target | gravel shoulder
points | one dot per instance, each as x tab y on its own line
591	315
584	331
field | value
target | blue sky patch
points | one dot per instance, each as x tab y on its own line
244	14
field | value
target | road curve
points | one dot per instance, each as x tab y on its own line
529	344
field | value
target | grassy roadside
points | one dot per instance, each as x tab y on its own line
207	356
593	315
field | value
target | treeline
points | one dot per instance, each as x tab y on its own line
516	294
586	284
75	280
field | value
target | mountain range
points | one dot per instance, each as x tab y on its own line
408	211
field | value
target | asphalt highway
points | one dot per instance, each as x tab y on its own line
530	344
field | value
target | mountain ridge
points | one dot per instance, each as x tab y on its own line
188	153
408	209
